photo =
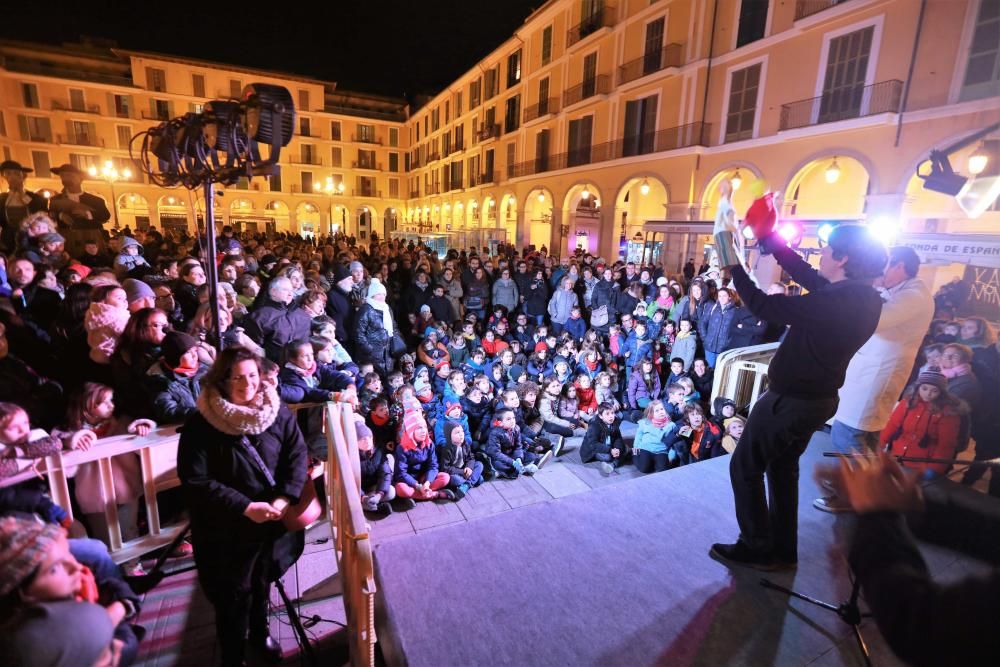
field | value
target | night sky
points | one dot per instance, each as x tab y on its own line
392	47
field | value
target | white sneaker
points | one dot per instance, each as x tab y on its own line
530	469
556	446
607	468
545	458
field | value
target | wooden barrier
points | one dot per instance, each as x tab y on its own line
352	547
741	374
157	452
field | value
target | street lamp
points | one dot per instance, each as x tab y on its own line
110	174
833	172
331	189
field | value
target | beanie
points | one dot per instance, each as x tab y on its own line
58	634
24	544
376	287
356	266
448	428
361	429
268	259
933	377
541	345
515	372
136	290
425	308
50	237
175	345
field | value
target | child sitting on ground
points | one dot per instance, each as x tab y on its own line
586	397
504	448
733	427
603	441
676	371
376	472
456	458
650	449
696	438
371	390
381	424
568	406
416	468
675	401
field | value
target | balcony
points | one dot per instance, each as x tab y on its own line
414	194
307	159
599	85
433	157
488	132
543	108
668	56
456	184
602	18
484	178
433	189
455	147
157	115
804	8
365	164
80	140
367	192
62	106
843	104
683	136
366	139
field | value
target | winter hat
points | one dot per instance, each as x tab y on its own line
136	290
661	281
362	430
268	259
541	345
425	308
24	544
448	428
356	266
412	420
515	372
175	345
933	377
449	405
376	287
50	237
59	634
734	418
559	360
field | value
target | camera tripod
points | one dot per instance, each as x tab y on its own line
848	611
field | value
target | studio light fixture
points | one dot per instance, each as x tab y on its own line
978	161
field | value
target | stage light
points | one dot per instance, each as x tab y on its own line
748	233
585	194
884	229
942	177
833	172
644	188
824	231
978	195
736	180
978	161
791	233
541	197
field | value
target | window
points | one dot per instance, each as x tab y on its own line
83	162
488	163
547	45
160	109
460	137
394	136
124	135
512	114
235	88
475	93
542	151
653	52
303	100
76	101
29	95
511	158
514	68
335	130
543	97
336	157
366	159
491	82
982	74
306	181
589	75
366	186
35	128
743	88
3	126
447	111
40	161
6	153
198	85
274	183
846	73
393	161
435	119
366	133
156	79
82	133
427	126
196	107
580	131
309	154
457	175
753	21
640	126
458	104
446	144
123	106
393	187
305	127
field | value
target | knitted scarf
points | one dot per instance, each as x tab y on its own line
232	419
956	371
659	423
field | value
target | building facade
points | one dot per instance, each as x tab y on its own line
595	122
82	104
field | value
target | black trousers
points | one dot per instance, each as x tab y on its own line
648	462
776	434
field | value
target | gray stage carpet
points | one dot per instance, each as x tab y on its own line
619	576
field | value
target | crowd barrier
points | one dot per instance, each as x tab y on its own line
741	374
157	452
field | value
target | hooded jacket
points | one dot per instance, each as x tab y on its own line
124	262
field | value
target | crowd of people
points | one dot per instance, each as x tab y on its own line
462	369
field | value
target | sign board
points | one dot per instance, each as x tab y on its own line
983	250
984	293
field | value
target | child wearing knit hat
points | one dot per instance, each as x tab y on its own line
416	472
376	471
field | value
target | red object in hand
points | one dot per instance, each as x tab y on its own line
761	216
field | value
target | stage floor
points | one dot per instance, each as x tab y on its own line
618	574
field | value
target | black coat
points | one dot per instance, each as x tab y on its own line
8	232
273	326
174	397
220	480
536	298
601	438
747	329
372	340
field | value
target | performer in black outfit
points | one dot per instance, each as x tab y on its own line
827	326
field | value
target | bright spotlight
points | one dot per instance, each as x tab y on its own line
791	233
824	232
884	229
748	233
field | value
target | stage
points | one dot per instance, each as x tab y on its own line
618	574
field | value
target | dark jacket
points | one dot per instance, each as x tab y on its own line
174	397
220	479
709	447
504	446
99	211
441	309
604	295
412	465
576	328
376	473
372	340
292	387
453	459
715	325
828	326
746	329
703	384
536	298
601	438
274	325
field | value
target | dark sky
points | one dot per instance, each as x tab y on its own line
393	47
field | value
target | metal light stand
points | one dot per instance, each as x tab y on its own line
210	266
847	611
296	621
